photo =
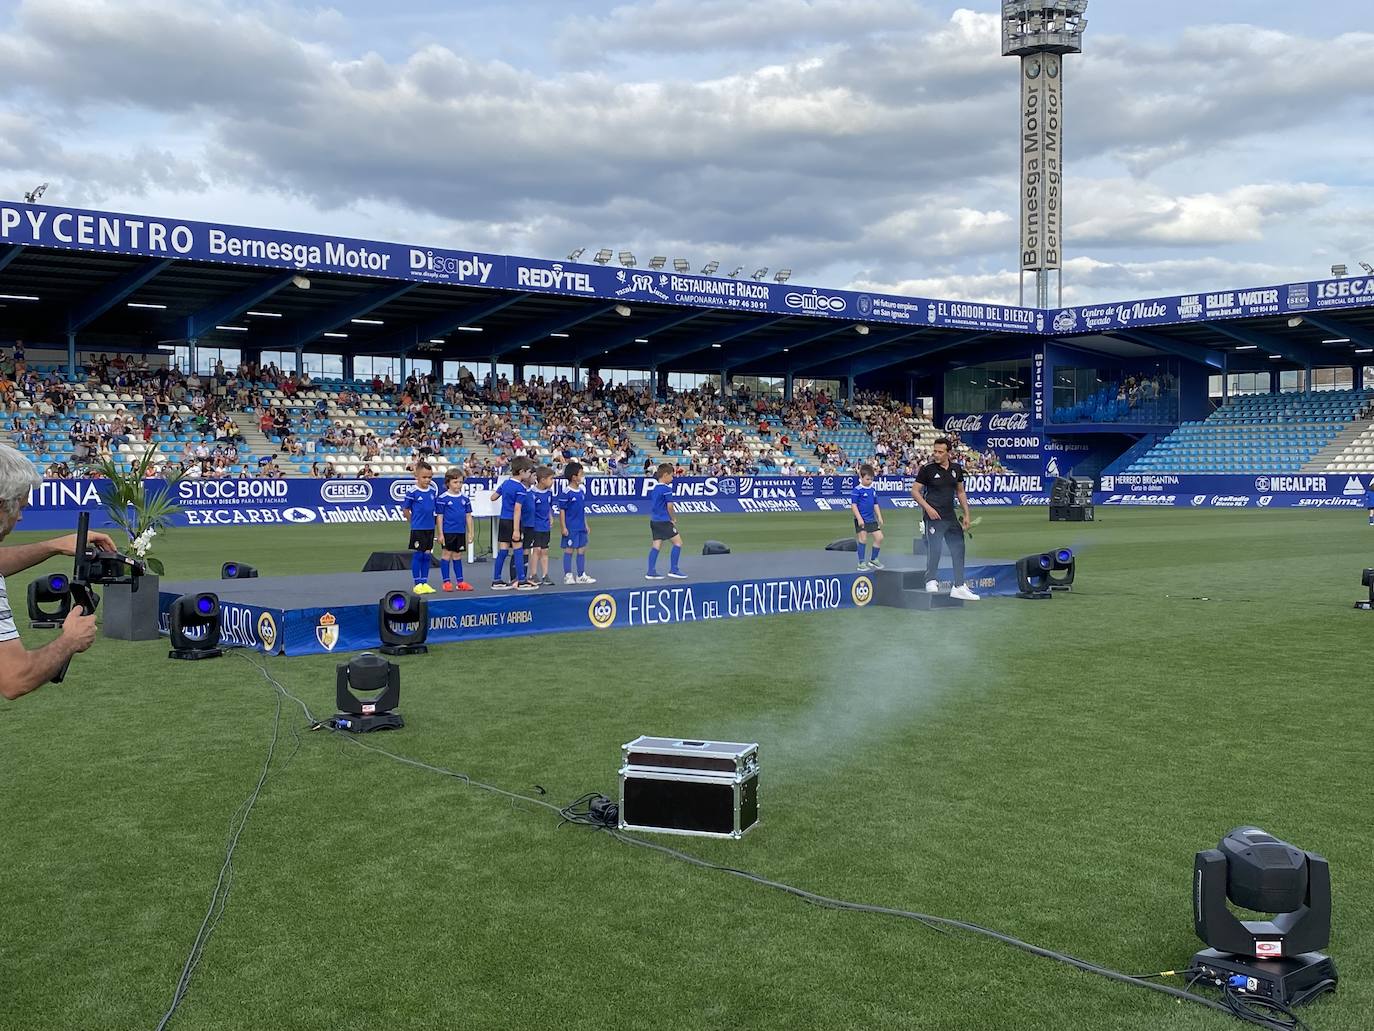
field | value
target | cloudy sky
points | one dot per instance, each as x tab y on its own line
866	143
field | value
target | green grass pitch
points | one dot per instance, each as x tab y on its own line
1046	769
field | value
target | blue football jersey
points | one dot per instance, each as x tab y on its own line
573	505
421	505
658	499
867	500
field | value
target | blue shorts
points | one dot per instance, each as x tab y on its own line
574	540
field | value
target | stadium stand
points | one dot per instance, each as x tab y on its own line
1151	400
1258	433
264	422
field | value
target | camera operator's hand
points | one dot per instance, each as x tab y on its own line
94	539
79	629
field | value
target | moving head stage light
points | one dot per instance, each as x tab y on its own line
1033	576
193	626
237	571
1273	959
53	589
367	673
1062	570
1367	582
402	624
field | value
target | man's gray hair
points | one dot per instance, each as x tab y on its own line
17	477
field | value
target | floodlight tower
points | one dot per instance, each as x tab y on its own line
1041	32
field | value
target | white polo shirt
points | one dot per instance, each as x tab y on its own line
8	631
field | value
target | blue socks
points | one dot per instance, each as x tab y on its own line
653	560
862	548
876	549
567	562
673	557
449	566
500	563
581	562
518	563
458	570
416	570
446	567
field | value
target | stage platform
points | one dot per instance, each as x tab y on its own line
304	615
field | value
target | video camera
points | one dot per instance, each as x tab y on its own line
96	567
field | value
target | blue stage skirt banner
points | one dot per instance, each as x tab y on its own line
54	504
1179	490
313	631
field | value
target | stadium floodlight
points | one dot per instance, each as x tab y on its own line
737	271
627	259
1033	576
861	329
623	310
1258	872
402	623
681	265
1339	271
300	282
783	275
602	256
53	589
1296	321
658	261
709	269
1041	33
237	571
381	681
193	626
758	273
575	255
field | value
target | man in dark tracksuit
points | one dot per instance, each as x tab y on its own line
935	490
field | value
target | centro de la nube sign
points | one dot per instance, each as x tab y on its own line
1042	104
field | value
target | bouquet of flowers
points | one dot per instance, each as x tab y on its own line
136	508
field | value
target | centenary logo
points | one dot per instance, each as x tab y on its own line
327	631
298	515
862	591
342	491
267	631
601	611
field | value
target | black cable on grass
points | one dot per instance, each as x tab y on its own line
592	810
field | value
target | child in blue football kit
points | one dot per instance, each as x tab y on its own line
662	525
868	517
454	510
573	531
539	526
419	511
513	494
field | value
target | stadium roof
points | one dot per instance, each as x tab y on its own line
134	282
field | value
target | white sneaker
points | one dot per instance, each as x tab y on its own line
568	578
963	593
932	586
583	578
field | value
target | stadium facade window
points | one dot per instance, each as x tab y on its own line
1250	383
453	371
323	366
550	373
206	358
682	382
1290	381
367	366
830	386
758	386
1340	377
993	387
626	377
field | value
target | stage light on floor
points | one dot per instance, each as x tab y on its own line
237	571
1367	582
53	589
402	623
1033	576
1062	570
1278	958
371	675
193	627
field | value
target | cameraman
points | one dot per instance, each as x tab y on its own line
22	670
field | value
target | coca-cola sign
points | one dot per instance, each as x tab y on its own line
964	424
1012	421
